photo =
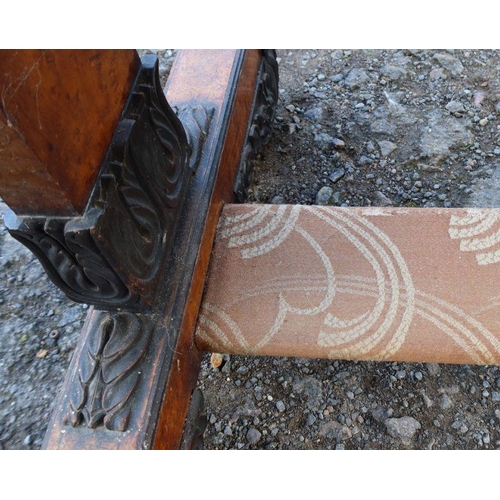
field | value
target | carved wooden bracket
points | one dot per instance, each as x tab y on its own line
259	132
141	250
113	254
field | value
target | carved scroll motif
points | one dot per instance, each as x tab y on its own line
111	256
262	122
109	370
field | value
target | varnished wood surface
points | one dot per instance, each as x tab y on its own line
393	284
167	372
58	112
215	65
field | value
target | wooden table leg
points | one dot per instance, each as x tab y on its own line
140	250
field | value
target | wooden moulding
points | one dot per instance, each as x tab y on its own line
132	375
396	284
58	112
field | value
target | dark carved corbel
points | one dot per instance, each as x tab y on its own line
260	128
111	256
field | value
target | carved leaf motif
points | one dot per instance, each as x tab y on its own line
70	257
110	370
196	120
260	129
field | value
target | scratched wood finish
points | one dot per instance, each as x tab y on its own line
224	89
58	112
397	284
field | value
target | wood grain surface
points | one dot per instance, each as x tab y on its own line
58	112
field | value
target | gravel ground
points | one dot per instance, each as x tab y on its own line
416	128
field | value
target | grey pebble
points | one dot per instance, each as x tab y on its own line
403	428
450	63
380	414
446	402
386	147
314	114
437	73
311	388
253	435
356	78
338	143
323	139
455	108
334	430
310	419
280	406
278	200
433	369
324	195
393	72
337	174
381	200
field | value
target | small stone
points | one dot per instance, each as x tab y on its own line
314	114
278	200
495	396
380	414
418	375
350	394
427	401
334	430
280	406
450	63
311	388
437	73
393	72
310	419
403	428
356	78
446	402
433	369
253	435
337	174
323	140
455	108
381	200
483	122
228	431
386	147
324	195
338	143
290	108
